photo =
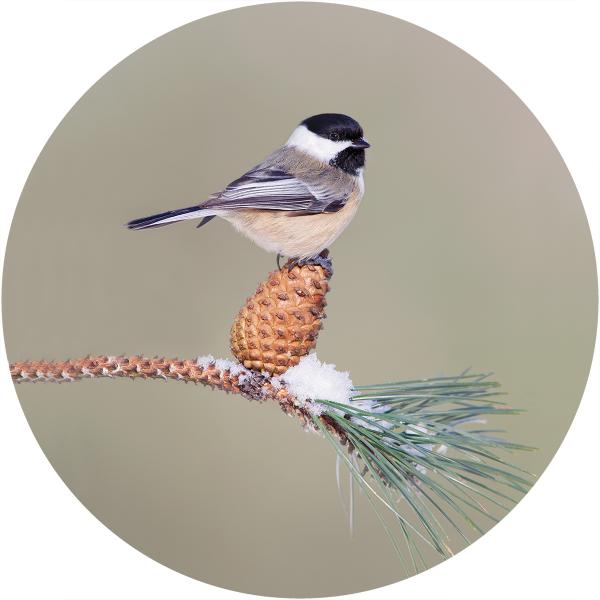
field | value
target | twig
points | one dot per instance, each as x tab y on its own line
408	444
219	374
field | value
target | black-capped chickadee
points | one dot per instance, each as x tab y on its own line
299	199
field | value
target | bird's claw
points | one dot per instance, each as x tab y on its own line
321	259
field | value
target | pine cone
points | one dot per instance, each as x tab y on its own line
280	323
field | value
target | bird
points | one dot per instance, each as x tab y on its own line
299	199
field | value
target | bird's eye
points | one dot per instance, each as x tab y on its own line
334	137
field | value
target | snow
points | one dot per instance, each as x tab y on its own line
308	382
234	368
312	380
222	365
205	361
276	383
415	450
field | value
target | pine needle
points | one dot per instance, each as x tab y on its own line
418	455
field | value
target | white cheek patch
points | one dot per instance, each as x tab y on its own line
361	180
314	145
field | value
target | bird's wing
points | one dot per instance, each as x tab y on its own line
272	188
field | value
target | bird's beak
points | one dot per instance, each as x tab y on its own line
361	144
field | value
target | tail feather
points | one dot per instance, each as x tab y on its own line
164	218
205	220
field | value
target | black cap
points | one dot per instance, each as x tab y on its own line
334	126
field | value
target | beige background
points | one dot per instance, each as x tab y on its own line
470	249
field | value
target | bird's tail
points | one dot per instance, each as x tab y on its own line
160	219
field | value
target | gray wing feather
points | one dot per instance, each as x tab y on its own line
273	188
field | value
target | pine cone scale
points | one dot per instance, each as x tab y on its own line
280	323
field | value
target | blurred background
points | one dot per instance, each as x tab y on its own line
471	249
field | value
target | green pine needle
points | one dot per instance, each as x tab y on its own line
414	449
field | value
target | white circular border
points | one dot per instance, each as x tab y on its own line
52	547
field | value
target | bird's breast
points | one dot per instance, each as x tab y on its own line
293	234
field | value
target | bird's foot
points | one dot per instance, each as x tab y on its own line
321	259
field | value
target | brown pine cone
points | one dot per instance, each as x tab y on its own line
280	323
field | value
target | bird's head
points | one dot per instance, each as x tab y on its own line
332	138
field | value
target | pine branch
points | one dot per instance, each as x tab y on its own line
219	374
410	445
